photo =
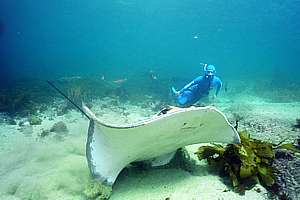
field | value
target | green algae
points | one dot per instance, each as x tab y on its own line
35	120
97	191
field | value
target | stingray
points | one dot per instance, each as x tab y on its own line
110	148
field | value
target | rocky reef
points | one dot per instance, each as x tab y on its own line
287	172
25	97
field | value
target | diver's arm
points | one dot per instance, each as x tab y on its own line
195	81
186	87
218	85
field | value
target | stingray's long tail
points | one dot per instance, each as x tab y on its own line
70	100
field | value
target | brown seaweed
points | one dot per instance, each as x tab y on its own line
246	163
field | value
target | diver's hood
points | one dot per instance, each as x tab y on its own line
210	70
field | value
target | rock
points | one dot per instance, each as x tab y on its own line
62	111
284	154
34	120
11	121
59	127
297	143
43	108
287	175
297	123
44	133
23	123
104	106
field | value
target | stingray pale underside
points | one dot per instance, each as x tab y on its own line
110	148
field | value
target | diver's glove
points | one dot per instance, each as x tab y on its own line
215	96
175	92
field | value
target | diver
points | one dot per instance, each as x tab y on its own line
199	87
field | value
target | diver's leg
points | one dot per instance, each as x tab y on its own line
185	99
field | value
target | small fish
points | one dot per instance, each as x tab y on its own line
119	81
226	86
152	75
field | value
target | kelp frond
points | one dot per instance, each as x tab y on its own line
244	163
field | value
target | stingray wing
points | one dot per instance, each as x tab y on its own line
111	148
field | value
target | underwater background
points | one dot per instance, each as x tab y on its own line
121	58
244	40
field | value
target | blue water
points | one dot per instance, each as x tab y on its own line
247	40
244	39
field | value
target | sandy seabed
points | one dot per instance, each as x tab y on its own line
55	168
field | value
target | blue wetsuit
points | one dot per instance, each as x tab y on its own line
198	88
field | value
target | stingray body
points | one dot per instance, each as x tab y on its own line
110	148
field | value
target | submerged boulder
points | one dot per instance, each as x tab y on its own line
58	131
59	127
